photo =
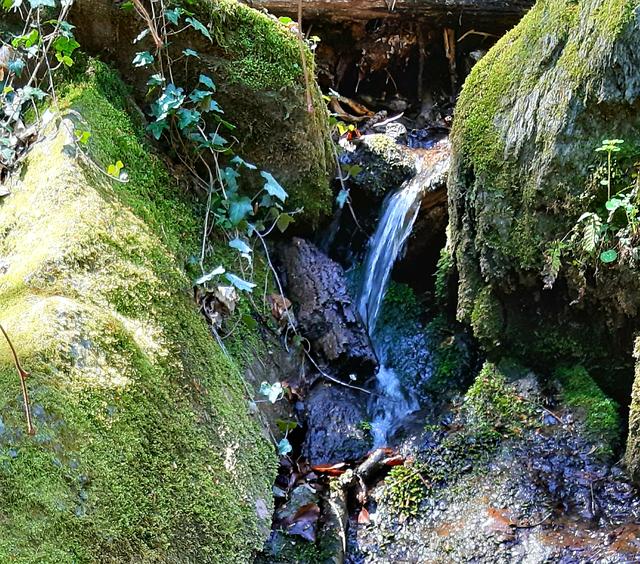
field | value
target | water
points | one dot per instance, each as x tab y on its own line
391	404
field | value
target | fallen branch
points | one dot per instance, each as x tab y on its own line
23	383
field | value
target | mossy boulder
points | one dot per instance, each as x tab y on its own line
256	64
632	458
145	449
527	123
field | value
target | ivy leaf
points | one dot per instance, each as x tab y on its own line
16	67
173	15
155	80
273	391
284	447
230	176
241	162
240	245
38	3
142	59
204	79
239	283
198	95
198	26
141	35
341	199
217	271
239	210
187	118
609	256
213	107
157	127
273	187
284	220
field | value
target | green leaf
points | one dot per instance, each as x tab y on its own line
173	15
157	127
286	426
284	447
217	271
284	220
141	35
341	199
39	3
285	20
239	245
143	59
83	136
241	162
249	322
198	26
204	79
591	234
239	209
155	80
613	204
190	53
187	118
115	169
239	283
273	187
16	67
609	256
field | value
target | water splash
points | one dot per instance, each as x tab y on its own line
391	405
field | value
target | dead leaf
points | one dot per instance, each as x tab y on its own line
363	517
304	522
330	469
397	460
279	307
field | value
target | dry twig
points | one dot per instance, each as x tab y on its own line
23	383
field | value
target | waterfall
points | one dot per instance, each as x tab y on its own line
391	404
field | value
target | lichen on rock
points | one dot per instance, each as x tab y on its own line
144	447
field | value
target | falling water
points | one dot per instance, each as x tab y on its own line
391	404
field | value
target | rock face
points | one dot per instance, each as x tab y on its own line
529	118
324	310
144	447
334	421
255	63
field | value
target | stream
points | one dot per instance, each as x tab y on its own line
392	404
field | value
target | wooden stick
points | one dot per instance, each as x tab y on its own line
23	383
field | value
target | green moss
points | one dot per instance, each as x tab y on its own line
510	176
598	413
486	318
145	449
442	275
491	403
263	54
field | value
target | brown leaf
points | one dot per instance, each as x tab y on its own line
363	517
397	460
330	469
304	522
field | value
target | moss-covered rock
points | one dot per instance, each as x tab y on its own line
256	64
632	458
144	449
528	120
